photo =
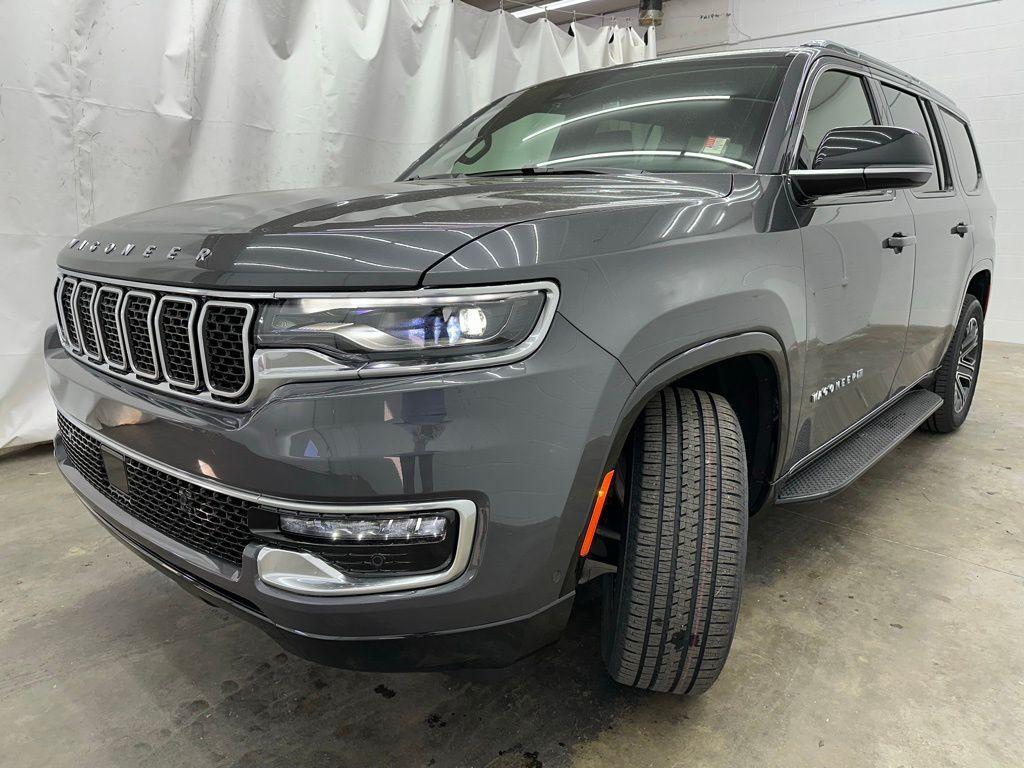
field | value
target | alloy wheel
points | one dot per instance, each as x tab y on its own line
966	365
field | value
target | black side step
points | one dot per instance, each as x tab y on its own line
857	453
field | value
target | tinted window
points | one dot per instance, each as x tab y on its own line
963	150
838	101
908	112
681	116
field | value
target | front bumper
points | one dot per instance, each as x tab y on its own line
526	443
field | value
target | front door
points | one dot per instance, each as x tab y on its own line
858	291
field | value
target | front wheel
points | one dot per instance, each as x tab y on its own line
957	376
671	609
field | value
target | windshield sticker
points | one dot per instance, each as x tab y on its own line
715	145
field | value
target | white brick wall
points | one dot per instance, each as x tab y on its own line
972	50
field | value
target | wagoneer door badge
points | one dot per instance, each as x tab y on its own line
828	389
202	255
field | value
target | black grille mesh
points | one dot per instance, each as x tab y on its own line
175	328
67	289
223	327
207	521
83	305
106	310
84	454
136	324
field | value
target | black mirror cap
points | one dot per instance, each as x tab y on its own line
862	146
866	158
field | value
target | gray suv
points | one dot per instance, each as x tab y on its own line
587	334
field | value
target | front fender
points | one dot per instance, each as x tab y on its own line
692	360
653	283
651	280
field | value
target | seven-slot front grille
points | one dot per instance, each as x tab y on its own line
192	345
207	521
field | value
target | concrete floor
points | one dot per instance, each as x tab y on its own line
882	628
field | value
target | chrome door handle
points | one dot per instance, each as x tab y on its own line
899	241
961	229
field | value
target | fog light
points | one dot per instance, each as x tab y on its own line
369	530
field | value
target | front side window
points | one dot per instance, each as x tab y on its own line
668	117
963	150
907	111
839	100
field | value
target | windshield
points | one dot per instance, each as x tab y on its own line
667	117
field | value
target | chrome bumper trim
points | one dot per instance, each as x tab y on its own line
306	574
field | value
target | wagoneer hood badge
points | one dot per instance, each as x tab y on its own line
171	253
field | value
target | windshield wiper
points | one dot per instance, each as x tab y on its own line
533	170
431	177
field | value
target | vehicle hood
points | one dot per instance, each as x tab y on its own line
384	236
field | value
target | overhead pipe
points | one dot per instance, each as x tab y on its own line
651	13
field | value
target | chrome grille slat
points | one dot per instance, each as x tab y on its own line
175	328
61	331
82	300
137	326
106	314
66	312
226	374
177	344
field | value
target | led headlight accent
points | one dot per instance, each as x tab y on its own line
371	530
395	332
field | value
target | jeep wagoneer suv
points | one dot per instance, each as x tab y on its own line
591	330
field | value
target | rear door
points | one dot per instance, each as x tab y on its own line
945	241
858	292
963	154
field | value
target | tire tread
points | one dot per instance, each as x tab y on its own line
945	419
685	545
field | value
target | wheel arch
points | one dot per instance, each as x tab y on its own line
728	366
979	285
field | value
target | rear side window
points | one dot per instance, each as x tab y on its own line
839	100
963	150
908	112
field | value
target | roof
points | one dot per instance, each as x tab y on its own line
815	49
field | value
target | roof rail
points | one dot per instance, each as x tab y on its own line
831	45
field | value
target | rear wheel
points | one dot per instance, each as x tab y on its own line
671	609
957	376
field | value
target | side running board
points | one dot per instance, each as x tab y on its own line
856	454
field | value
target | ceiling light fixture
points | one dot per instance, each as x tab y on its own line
544	7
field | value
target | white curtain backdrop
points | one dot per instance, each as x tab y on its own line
114	106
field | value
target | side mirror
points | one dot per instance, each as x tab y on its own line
864	159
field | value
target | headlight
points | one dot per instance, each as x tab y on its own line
414	331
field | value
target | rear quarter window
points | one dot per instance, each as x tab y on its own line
962	144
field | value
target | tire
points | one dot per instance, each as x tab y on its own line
670	611
964	352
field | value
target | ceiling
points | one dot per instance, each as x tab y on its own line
561	16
